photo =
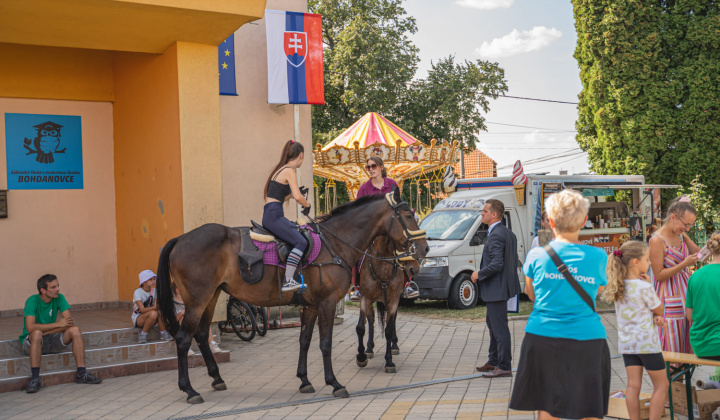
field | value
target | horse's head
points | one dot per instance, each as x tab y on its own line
403	229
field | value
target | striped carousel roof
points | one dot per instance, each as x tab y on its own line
370	129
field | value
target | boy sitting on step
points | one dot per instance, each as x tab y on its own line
145	311
44	334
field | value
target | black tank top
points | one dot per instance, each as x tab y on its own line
277	190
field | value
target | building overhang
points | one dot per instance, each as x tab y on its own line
148	26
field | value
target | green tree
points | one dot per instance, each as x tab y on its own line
651	76
368	59
449	104
370	63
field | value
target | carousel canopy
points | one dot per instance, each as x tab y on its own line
404	156
370	129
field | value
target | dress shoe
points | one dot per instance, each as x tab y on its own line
487	367
497	373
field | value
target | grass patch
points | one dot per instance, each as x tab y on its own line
439	309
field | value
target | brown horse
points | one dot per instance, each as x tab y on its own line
204	261
383	282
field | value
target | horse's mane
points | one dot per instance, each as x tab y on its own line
344	208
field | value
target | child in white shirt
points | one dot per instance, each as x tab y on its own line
639	313
145	310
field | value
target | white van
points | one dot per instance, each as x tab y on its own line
456	235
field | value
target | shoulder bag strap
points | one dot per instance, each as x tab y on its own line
564	271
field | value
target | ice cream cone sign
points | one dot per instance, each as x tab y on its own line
449	180
519	180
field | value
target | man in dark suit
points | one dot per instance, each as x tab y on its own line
499	282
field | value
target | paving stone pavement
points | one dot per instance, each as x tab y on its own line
261	373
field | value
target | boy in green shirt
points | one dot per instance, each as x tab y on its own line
44	334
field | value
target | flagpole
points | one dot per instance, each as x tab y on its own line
296	126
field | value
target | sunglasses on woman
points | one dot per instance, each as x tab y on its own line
371	167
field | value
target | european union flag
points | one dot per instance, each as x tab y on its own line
226	66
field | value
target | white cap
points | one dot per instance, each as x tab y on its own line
145	276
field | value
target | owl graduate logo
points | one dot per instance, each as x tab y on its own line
43	151
46	143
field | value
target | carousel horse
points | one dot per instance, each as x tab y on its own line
381	281
205	261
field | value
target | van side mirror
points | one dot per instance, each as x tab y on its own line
478	238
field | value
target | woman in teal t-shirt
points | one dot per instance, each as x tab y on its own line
701	304
564	368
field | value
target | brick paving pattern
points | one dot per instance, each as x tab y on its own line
262	372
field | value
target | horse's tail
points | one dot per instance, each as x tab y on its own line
381	314
164	288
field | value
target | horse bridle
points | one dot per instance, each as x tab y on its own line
410	235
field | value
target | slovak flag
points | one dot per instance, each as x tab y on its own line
295	58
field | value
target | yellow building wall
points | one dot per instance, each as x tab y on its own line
29	71
148	166
198	88
69	233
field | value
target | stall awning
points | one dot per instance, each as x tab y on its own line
618	186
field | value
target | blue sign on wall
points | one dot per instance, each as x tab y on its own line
44	152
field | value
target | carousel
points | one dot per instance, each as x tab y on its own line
405	158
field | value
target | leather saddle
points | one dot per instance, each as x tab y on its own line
259	233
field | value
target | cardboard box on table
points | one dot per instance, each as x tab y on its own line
705	401
618	408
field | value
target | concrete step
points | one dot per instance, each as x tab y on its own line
105	338
107	370
94	356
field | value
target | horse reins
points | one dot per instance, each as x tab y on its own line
410	235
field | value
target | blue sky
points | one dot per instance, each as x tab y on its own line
534	41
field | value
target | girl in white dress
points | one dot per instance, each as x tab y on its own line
639	312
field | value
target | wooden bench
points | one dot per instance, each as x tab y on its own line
687	364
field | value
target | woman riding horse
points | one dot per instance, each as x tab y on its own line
204	262
280	186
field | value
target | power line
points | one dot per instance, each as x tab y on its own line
526	132
526	148
574	152
418	82
540	100
559	163
526	126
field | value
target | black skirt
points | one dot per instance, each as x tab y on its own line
567	378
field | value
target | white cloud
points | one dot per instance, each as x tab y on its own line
485	4
518	42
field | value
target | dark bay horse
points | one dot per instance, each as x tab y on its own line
374	276
203	262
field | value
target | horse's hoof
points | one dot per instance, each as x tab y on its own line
219	386
369	354
390	369
361	364
395	351
307	389
196	399
341	393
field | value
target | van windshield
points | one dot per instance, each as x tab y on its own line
449	225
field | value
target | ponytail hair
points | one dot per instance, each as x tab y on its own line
678	206
291	150
713	243
379	163
617	268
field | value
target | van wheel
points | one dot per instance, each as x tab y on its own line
463	292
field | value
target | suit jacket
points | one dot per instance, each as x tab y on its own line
498	275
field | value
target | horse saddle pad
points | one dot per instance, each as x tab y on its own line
271	244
